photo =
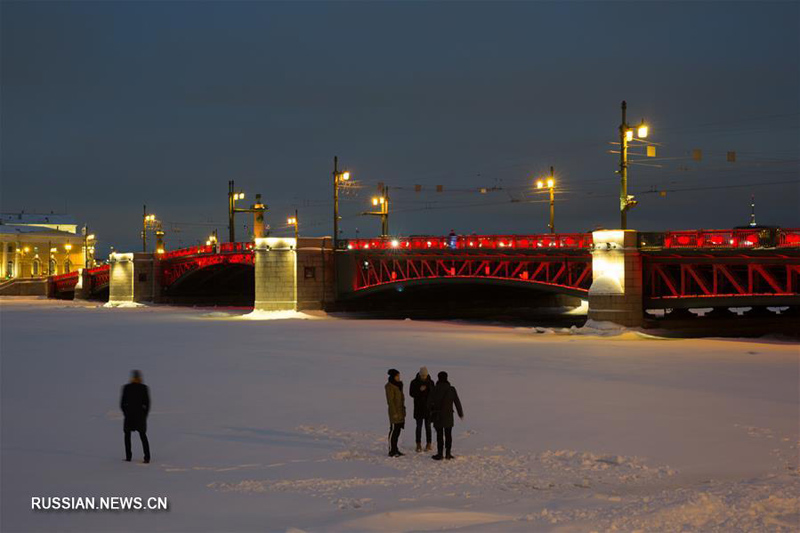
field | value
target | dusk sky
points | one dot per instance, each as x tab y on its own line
107	106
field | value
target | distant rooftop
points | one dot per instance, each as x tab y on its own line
7	229
37	219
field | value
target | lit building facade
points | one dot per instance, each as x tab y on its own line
42	245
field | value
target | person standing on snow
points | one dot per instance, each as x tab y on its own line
452	239
442	399
397	410
135	405
420	389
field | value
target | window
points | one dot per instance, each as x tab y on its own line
10	269
11	248
36	267
67	266
52	267
310	272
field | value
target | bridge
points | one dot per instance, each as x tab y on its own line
620	273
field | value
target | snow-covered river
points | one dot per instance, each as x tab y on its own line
280	425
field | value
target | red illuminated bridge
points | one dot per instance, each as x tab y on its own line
753	266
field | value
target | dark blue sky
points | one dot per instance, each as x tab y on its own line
106	106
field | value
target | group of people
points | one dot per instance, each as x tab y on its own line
433	405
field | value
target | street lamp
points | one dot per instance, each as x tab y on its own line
160	248
293	221
88	248
232	199
257	209
626	201
148	222
550	183
382	203
338	179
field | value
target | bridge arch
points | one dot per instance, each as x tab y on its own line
229	283
466	282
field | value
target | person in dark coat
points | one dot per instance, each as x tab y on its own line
420	389
442	400
135	406
397	410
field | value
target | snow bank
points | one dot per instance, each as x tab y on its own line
598	327
605	285
123	305
278	315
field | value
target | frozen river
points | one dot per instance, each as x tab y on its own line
269	425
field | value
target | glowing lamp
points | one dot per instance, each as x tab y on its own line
395	243
642	133
345	176
550	183
374	201
629	135
539	184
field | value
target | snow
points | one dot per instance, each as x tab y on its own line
278	315
123	305
280	425
605	285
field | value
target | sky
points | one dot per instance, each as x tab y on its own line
108	106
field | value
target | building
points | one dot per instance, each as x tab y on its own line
36	245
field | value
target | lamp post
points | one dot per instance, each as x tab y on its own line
148	222
88	248
257	209
294	221
232	197
338	178
160	248
550	182
382	203
626	201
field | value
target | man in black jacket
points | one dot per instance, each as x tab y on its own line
442	400
135	405
420	389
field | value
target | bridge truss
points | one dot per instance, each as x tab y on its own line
570	272
696	279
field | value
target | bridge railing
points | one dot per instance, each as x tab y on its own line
575	241
223	247
64	282
789	238
722	239
98	270
226	247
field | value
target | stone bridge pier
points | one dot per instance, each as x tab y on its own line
133	278
293	274
616	291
